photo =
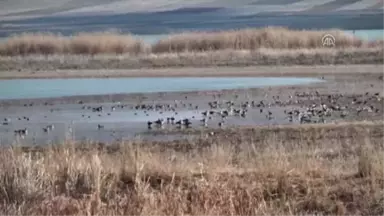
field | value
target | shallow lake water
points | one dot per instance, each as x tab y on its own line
47	88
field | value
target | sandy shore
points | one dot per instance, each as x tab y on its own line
345	84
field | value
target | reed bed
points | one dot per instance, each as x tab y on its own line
113	50
251	39
258	57
113	42
81	43
274	175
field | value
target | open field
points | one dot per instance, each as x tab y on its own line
111	50
326	169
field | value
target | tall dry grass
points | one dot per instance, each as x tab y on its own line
113	42
340	176
81	43
251	39
195	59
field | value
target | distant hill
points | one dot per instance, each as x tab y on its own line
165	16
21	8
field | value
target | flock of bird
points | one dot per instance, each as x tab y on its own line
310	108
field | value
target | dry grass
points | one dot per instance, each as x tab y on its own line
112	50
82	43
251	39
115	43
269	176
196	59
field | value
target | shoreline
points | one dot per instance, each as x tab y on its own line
343	83
229	71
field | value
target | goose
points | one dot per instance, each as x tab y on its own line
48	128
221	124
243	113
149	124
186	122
159	122
100	126
178	122
22	132
204	122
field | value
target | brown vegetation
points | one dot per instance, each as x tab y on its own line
82	43
196	59
251	39
112	50
316	172
116	43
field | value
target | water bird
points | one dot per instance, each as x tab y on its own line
97	109
187	122
178	122
204	121
159	122
243	113
100	126
48	128
21	132
149	124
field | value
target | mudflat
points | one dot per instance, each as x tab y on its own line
349	93
297	70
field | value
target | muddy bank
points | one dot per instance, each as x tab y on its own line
200	71
353	94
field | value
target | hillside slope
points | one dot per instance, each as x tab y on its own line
20	8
